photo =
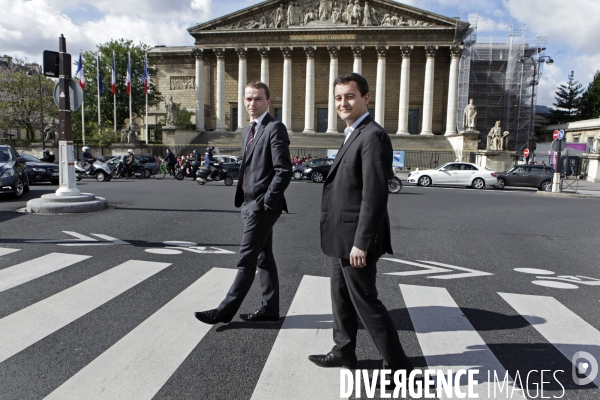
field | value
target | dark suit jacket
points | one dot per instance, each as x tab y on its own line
355	194
266	171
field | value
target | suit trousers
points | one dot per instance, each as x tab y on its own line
354	295
256	249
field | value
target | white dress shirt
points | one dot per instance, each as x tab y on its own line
348	131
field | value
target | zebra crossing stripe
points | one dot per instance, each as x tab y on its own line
33	269
139	364
4	251
564	329
307	329
448	340
29	325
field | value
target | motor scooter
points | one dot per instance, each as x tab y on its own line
222	175
185	171
98	170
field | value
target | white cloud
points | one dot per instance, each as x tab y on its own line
485	24
552	77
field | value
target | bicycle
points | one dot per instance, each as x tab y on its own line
161	171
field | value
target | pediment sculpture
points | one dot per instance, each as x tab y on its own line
326	13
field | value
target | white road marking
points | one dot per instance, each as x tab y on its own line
139	364
534	271
87	241
471	273
4	251
447	338
33	269
554	284
29	325
428	269
307	329
164	251
564	329
177	243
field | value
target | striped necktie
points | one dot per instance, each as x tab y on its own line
250	138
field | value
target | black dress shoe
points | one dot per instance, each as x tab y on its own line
329	360
210	317
260	316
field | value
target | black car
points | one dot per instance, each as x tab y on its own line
233	168
317	169
13	172
40	171
527	175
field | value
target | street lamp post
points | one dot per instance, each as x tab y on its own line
39	74
536	59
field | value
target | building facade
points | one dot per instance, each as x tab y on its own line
409	56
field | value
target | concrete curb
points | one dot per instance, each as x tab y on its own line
563	194
52	204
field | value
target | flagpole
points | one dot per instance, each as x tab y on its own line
82	113
147	90
114	94
98	87
130	84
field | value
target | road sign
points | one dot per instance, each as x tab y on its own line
555	135
75	95
526	152
559	145
561	134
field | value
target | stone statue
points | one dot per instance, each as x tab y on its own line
470	117
309	16
347	14
335	15
50	132
375	17
325	8
387	20
495	139
367	15
171	108
125	135
596	144
279	17
291	17
355	15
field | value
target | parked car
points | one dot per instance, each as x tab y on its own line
317	169
40	171
455	174
233	167
526	175
13	172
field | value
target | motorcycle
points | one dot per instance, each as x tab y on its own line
394	184
120	170
223	175
98	170
185	171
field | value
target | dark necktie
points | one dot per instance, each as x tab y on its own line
250	138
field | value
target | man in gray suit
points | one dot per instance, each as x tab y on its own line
355	230
265	173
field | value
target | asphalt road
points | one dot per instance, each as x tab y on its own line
58	320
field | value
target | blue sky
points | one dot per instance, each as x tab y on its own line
27	27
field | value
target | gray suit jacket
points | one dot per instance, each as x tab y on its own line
266	170
355	194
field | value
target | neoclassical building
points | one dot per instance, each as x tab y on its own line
409	56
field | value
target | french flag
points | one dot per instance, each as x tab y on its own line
128	79
79	73
114	76
146	79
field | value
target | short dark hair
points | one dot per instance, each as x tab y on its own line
260	85
361	82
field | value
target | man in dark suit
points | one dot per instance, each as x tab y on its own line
355	230
265	173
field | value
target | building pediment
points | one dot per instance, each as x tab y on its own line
307	15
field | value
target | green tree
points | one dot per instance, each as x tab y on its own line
590	99
20	99
568	98
184	119
121	48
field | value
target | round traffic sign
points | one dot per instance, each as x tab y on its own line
555	135
559	145
526	152
75	94
561	134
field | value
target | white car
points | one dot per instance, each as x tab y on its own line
455	173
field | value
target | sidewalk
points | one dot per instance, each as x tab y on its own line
581	188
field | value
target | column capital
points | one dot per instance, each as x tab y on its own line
198	53
430	51
382	51
358	51
287	51
406	51
264	52
219	53
456	51
310	51
206	57
242	52
334	51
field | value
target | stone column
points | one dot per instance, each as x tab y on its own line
264	64
199	54
380	91
207	93
358	51
286	111
334	51
428	92
220	109
309	105
455	52
404	91
242	78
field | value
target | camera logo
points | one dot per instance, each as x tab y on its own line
584	364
